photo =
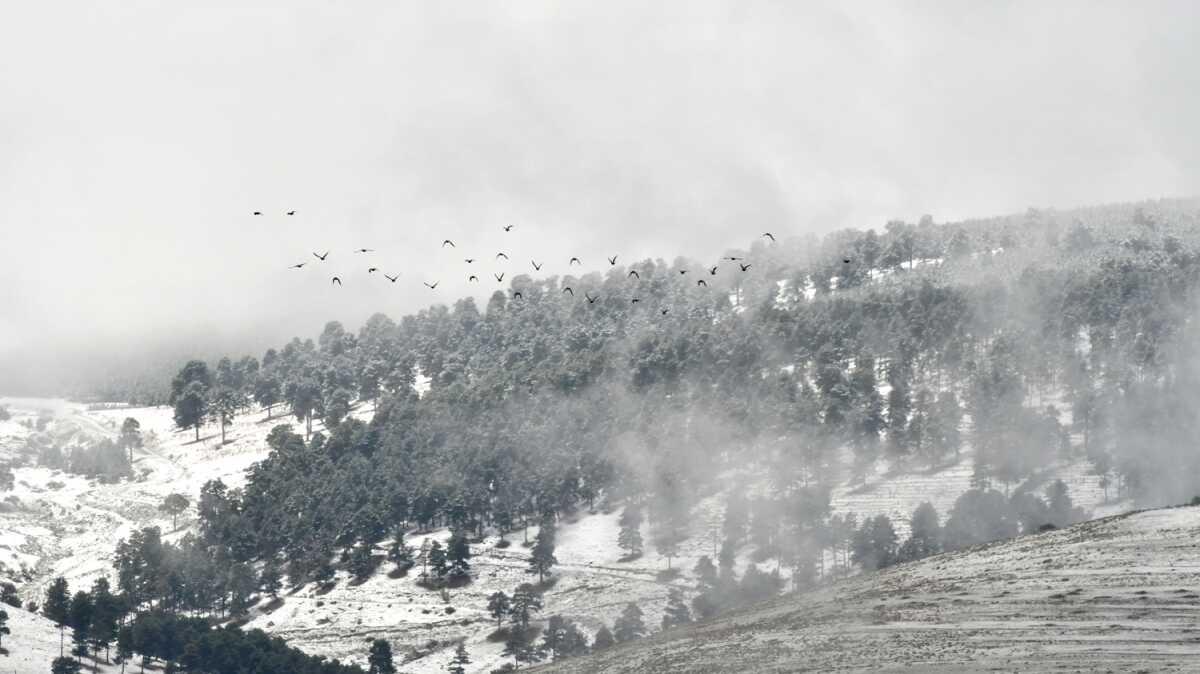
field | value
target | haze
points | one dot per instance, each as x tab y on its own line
137	138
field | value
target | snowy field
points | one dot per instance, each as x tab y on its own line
1115	595
54	523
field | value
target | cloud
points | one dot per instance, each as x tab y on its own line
135	140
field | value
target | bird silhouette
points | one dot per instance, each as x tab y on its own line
258	212
432	287
501	255
321	257
508	228
633	272
734	259
664	312
469	260
517	295
365	250
472	277
635	300
712	271
574	260
391	278
335	280
448	242
769	236
291	212
701	283
372	270
743	266
297	266
499	277
846	260
682	272
613	260
536	266
590	299
568	290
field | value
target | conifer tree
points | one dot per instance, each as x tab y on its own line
541	558
629	625
458	554
379	660
499	606
630	536
57	607
4	628
458	664
603	639
677	612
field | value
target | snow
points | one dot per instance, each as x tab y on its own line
61	524
34	644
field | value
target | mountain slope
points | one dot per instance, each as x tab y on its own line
1118	594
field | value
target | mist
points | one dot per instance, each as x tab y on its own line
135	141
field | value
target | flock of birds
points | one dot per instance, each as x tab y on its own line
537	266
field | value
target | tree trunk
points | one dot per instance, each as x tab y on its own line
197	432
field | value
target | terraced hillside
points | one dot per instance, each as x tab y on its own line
1118	594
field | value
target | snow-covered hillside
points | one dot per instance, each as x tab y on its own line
55	524
1115	595
35	643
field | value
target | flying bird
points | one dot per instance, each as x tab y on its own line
590	299
499	277
635	300
574	260
297	266
291	212
508	228
501	255
633	272
258	212
391	278
469	260
536	266
365	250
568	290
432	287
743	266
769	236
664	312
372	270
734	259
701	283
472	278
321	257
517	295
682	272
613	260
448	242
712	271
846	260
335	280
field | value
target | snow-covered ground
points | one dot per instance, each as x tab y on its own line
34	644
1115	595
54	523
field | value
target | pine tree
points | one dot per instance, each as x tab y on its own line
174	505
541	558
400	553
630	536
362	564
81	621
629	625
458	665
525	602
57	607
4	628
379	661
498	606
271	580
603	639
437	560
458	554
677	612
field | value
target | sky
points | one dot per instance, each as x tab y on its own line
136	139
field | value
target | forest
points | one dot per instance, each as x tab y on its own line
1025	338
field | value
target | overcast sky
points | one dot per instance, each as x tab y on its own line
137	137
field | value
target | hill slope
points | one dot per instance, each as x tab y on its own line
1119	594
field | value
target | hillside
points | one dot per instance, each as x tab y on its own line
1118	594
71	530
34	644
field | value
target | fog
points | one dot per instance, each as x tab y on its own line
136	139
